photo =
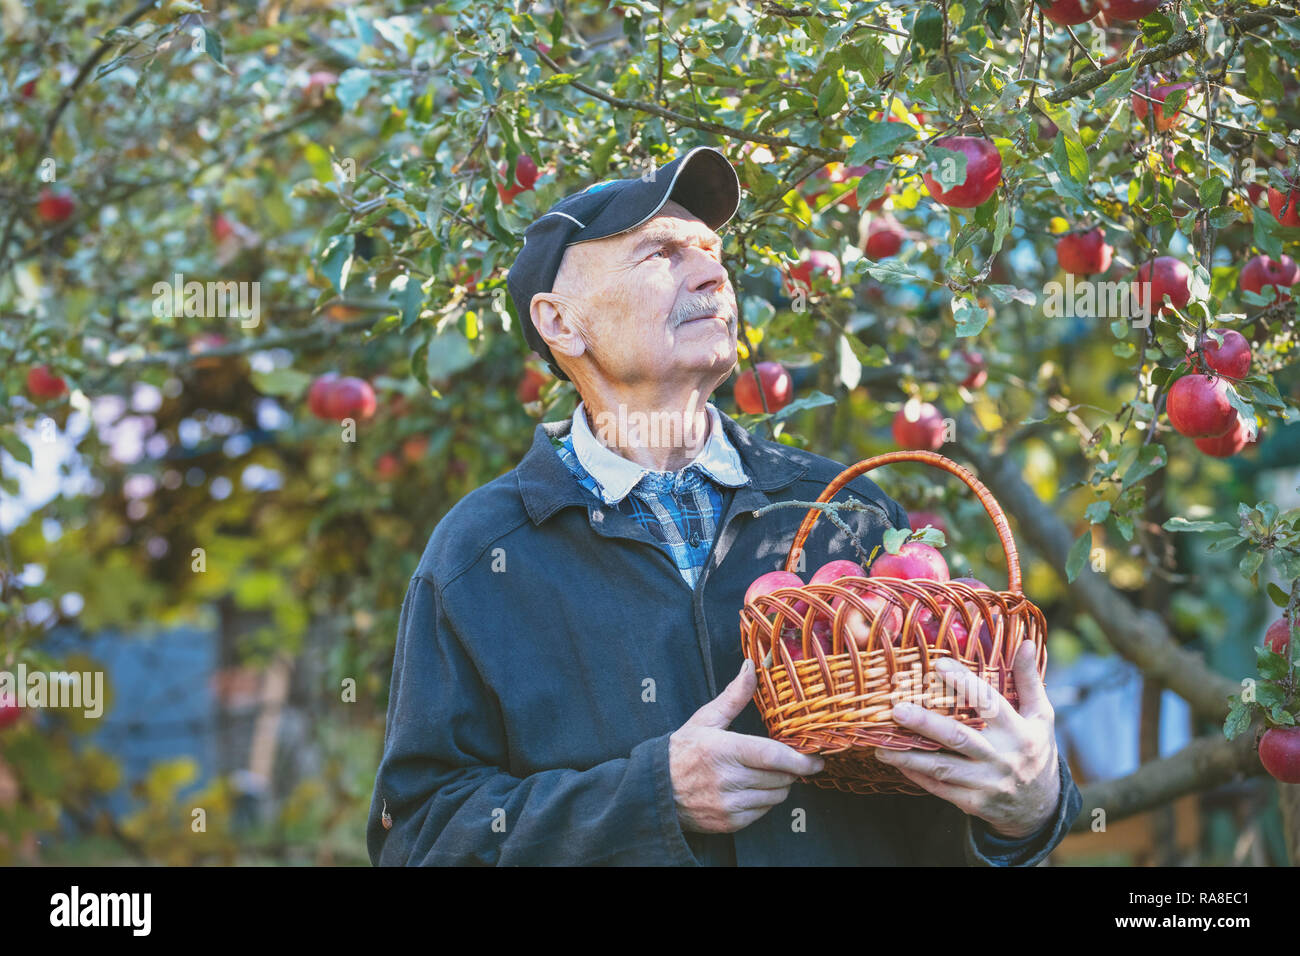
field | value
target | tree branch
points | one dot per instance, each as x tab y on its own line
1203	764
1140	636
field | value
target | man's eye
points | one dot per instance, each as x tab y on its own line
659	252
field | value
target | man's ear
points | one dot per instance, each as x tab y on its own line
556	320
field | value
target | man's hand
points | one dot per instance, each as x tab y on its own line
724	781
1006	774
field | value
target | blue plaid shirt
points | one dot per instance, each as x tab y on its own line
680	510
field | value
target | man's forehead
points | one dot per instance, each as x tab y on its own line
672	220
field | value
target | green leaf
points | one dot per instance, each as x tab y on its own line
927	27
1078	556
1250	563
212	47
448	352
1097	512
1118	85
833	95
336	260
1271	666
1071	158
931	536
1238	719
16	447
812	400
1277	595
895	538
971	317
1210	190
283	382
352	87
875	140
1279	715
1150	459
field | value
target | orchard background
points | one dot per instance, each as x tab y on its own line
165	470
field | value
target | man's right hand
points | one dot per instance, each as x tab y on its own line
724	781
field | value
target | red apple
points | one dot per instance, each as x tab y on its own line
1142	105
1068	13
981	629
1128	10
1291	200
42	383
1262	270
55	206
1084	253
1231	359
979	373
858	626
1279	752
349	398
387	466
914	560
526	174
777	388
530	385
221	228
918	426
28	89
771	581
1254	192
983	172
1227	444
1278	636
1162	276
837	174
318	394
815	262
1198	406
884	238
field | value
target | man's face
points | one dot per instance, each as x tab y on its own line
653	304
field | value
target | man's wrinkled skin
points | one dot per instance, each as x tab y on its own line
647	321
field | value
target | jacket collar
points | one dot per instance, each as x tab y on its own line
616	476
546	484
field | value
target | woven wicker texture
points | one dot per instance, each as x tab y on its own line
885	636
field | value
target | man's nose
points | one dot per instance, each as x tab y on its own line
708	274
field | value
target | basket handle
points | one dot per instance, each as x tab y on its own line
929	458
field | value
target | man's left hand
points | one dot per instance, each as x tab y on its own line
1006	774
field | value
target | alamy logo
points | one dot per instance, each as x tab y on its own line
59	689
208	300
102	909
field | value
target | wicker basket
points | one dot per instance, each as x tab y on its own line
840	705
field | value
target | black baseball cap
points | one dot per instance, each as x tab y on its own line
702	181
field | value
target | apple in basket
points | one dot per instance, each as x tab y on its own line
982	634
916	560
790	633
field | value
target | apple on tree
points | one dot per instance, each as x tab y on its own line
1285	207
1069	13
918	425
1151	90
1263	271
1198	406
1128	10
44	384
1084	253
979	373
1279	752
1231	358
884	238
817	262
55	206
1278	636
778	389
334	398
1160	277
1227	444
526	175
983	172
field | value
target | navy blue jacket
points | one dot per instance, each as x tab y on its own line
547	649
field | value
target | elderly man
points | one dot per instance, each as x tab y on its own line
567	685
